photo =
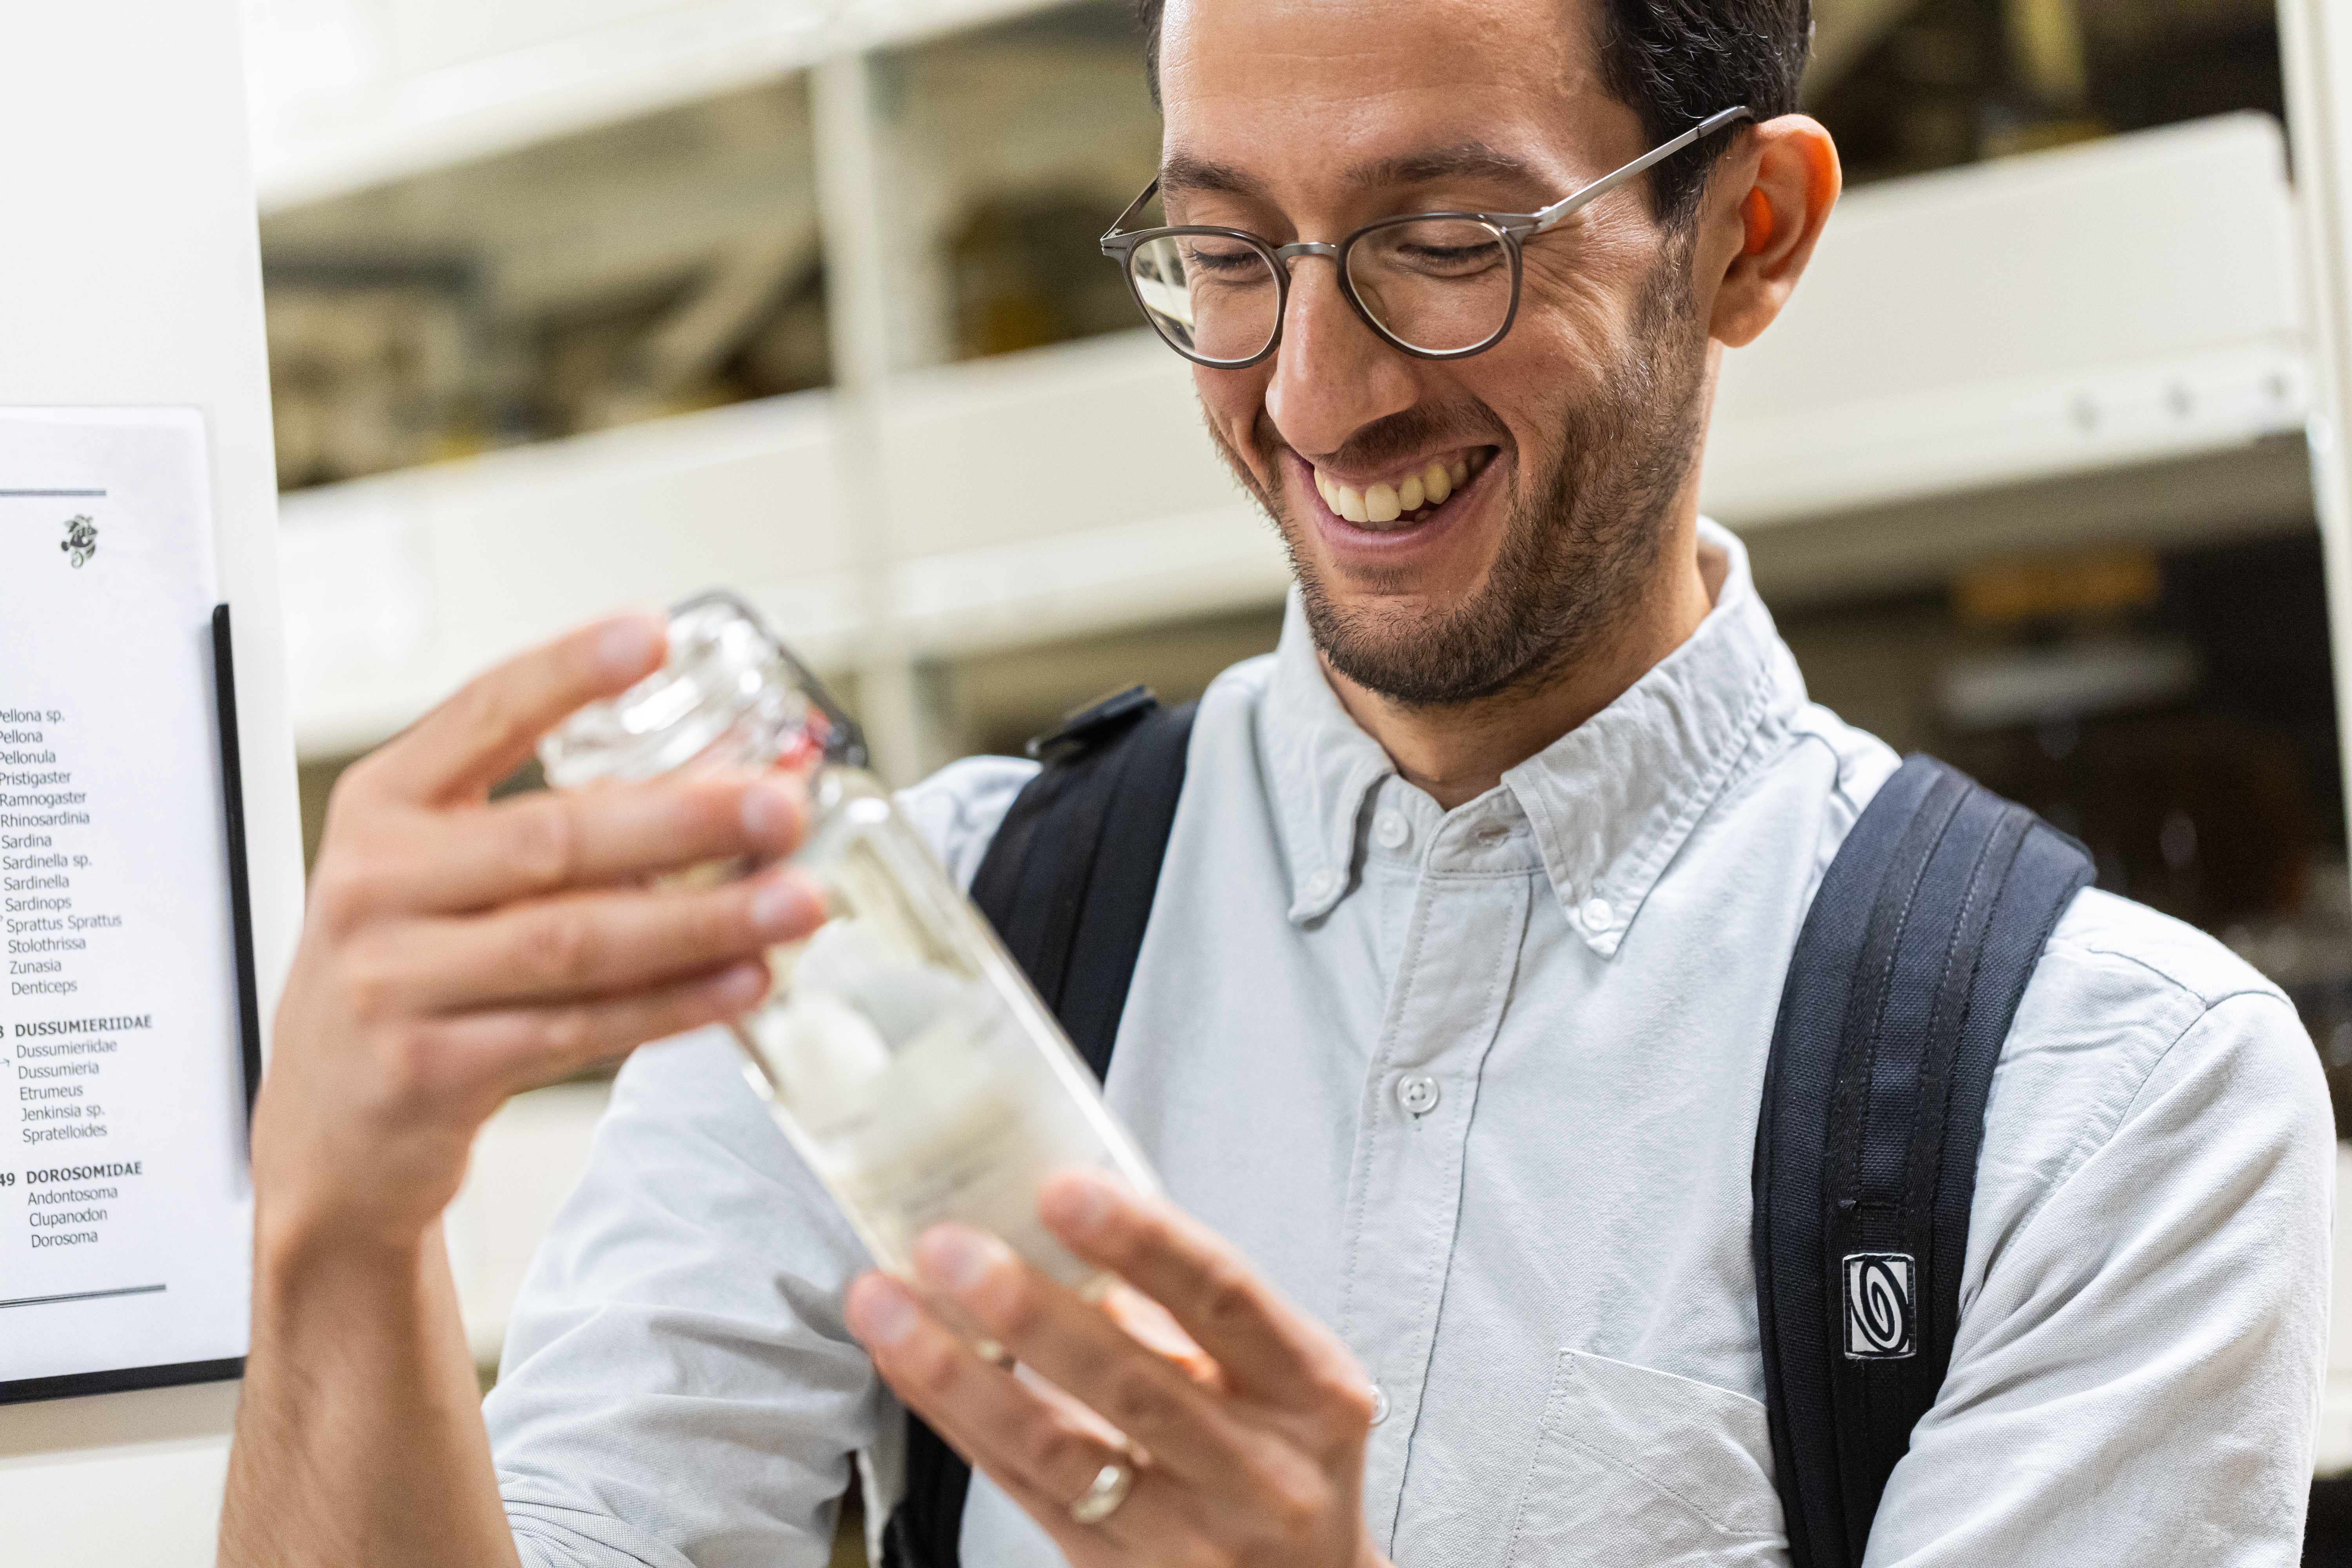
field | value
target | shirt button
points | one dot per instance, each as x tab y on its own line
1596	914
1418	1095
1380	1405
1322	884
1391	830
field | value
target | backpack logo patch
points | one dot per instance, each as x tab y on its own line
1880	1316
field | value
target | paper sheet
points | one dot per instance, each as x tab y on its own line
124	1206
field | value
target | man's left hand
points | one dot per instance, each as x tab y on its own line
1255	1457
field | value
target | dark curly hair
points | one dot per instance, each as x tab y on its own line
1673	62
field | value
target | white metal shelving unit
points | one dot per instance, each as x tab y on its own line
935	513
133	279
2018	321
347	93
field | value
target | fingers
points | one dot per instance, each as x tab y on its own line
1223	1478
1149	1325
488	728
578	946
1045	1452
1265	1346
539	843
518	1048
1077	1348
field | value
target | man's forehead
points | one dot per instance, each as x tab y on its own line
1374	92
1481	40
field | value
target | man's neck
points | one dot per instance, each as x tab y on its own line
1458	753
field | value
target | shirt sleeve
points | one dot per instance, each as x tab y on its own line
678	1387
2143	1331
958	809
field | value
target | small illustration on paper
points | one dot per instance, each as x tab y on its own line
80	542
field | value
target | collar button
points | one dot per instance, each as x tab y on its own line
1596	914
1391	830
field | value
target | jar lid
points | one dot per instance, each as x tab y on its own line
728	693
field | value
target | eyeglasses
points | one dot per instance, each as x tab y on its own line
1436	285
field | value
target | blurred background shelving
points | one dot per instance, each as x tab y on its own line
559	322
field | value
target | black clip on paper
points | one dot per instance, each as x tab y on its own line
240	887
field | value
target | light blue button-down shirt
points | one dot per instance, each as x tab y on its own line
1478	1088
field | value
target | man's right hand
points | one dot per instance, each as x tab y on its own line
457	951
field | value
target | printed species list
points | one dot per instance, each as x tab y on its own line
124	1212
47	933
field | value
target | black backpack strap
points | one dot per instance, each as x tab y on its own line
1907	975
1068	882
1069	879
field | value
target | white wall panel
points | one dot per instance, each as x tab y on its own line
129	1481
132	275
2317	37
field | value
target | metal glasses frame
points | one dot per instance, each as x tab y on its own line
1516	228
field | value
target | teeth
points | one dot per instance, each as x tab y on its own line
1433	485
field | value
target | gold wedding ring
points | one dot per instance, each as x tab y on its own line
1102	1497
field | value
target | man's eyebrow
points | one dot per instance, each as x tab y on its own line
1195	177
1470	160
1182	172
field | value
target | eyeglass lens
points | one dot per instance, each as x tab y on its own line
1440	285
1212	297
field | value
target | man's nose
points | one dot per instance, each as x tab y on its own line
1333	375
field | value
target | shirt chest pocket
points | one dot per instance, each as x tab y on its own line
1638	1468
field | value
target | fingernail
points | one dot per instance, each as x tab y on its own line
769	813
740	985
782	908
1075	1202
629	645
952	1258
880	1312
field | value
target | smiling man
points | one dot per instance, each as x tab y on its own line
1450	1025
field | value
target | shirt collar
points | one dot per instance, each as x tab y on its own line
1609	803
1325	769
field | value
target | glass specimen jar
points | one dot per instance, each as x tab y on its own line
900	1049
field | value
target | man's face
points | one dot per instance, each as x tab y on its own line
1571	439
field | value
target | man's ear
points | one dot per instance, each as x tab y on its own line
1778	218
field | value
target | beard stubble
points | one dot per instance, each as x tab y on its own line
1580	542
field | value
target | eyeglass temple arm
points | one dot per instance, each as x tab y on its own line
1547	216
1608	183
1110	235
